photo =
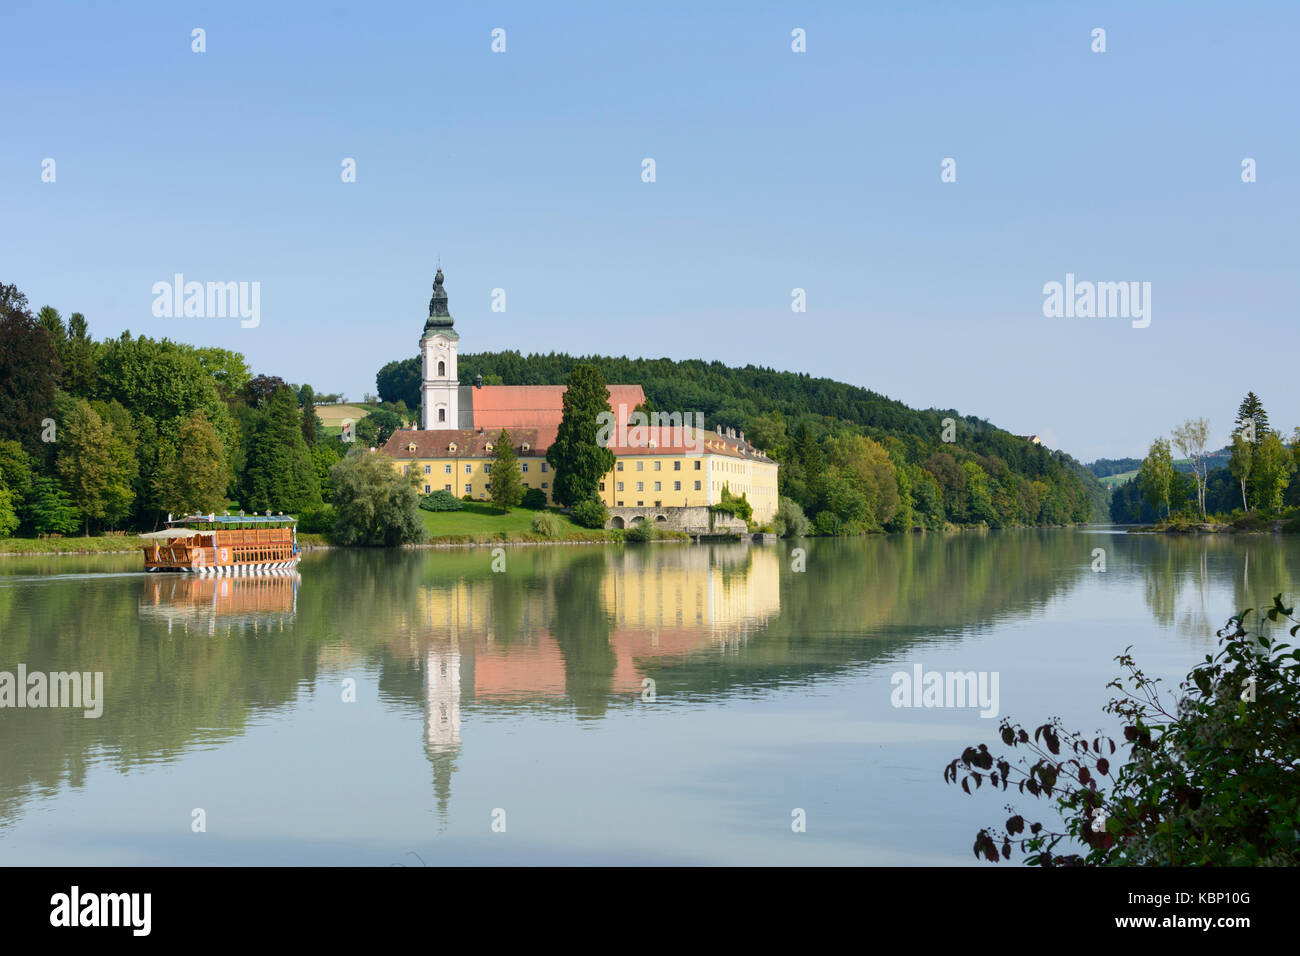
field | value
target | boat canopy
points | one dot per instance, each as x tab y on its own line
235	521
169	533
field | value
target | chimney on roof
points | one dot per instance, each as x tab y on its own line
719	431
742	436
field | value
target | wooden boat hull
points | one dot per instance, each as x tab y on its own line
234	570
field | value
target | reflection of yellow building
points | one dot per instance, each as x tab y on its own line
665	603
716	597
490	639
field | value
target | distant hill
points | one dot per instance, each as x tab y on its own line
1118	471
1010	480
1105	467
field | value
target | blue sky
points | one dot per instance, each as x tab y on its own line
774	171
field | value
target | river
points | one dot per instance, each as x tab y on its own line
648	704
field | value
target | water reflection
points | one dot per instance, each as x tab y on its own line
563	634
205	603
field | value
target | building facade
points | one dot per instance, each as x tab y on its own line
677	467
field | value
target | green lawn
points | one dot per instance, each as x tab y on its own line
480	521
106	544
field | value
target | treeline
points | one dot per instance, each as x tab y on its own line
1256	477
114	434
1105	467
852	460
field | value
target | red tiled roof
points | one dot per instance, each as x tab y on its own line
470	443
537	406
670	440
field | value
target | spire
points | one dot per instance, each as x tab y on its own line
439	317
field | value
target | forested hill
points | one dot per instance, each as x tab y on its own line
835	441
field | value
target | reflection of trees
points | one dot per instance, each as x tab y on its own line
1193	583
865	599
163	693
599	617
581	628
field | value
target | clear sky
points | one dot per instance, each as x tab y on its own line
775	170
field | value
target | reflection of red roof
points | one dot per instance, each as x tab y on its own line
537	406
505	671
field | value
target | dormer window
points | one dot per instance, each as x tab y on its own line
525	446
489	448
452	448
411	447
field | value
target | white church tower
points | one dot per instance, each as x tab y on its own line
440	388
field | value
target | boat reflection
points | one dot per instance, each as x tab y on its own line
221	603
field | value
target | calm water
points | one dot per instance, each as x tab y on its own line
523	691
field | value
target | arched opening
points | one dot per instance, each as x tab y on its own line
661	519
637	519
442	369
616	521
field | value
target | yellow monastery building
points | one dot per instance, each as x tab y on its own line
453	450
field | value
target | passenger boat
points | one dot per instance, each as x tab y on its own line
224	544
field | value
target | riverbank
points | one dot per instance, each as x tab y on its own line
453	530
1245	524
129	544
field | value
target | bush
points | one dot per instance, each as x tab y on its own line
790	521
590	513
317	521
641	531
534	499
1210	777
733	505
1250	522
374	505
826	523
547	525
441	501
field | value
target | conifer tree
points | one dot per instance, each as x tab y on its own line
279	474
507	482
579	460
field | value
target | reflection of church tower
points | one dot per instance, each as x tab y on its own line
442	717
439	388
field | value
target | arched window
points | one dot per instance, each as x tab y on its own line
451	448
442	369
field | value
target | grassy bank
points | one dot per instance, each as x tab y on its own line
477	523
104	544
481	523
1220	524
